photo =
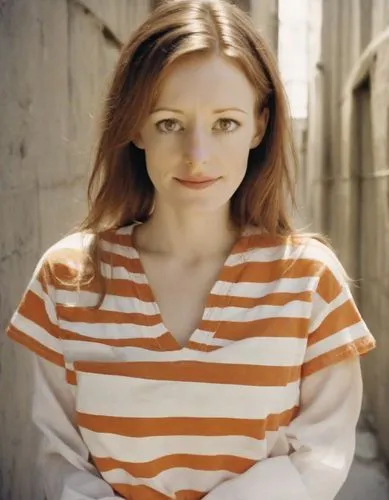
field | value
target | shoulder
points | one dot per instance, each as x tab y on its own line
69	250
65	259
73	259
309	252
319	251
74	248
331	277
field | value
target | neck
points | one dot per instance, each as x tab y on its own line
187	237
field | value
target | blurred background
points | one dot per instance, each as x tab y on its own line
55	60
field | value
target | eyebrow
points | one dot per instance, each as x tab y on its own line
215	111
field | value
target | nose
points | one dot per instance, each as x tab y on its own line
197	149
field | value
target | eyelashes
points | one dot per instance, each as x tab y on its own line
174	126
228	121
169	126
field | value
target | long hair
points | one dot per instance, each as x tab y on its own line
120	190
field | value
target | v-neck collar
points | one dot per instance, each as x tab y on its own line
222	287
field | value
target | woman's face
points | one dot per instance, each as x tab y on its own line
198	136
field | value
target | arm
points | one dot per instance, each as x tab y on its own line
321	440
67	473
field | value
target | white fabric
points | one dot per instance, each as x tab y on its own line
67	474
310	460
321	441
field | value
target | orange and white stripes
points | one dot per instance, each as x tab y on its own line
161	421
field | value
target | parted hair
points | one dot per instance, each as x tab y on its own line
120	191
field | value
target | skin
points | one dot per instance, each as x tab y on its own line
202	126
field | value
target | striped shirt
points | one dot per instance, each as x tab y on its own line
164	421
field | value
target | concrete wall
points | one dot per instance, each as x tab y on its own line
315	158
55	59
265	16
348	158
301	219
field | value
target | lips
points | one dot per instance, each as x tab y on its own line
198	182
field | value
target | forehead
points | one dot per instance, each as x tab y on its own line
209	81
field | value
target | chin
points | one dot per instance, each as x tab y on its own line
203	205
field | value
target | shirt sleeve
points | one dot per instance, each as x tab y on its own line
64	457
321	443
67	472
34	323
336	329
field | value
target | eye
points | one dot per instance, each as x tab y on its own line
226	125
169	126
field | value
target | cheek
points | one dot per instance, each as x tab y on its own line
239	141
158	147
236	153
160	159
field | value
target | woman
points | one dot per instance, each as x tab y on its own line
190	344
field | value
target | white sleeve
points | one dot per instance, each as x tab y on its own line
67	472
321	441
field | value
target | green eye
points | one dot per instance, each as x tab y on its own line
226	125
168	126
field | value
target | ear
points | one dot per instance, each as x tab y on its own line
138	141
261	126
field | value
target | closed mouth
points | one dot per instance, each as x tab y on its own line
198	183
200	180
